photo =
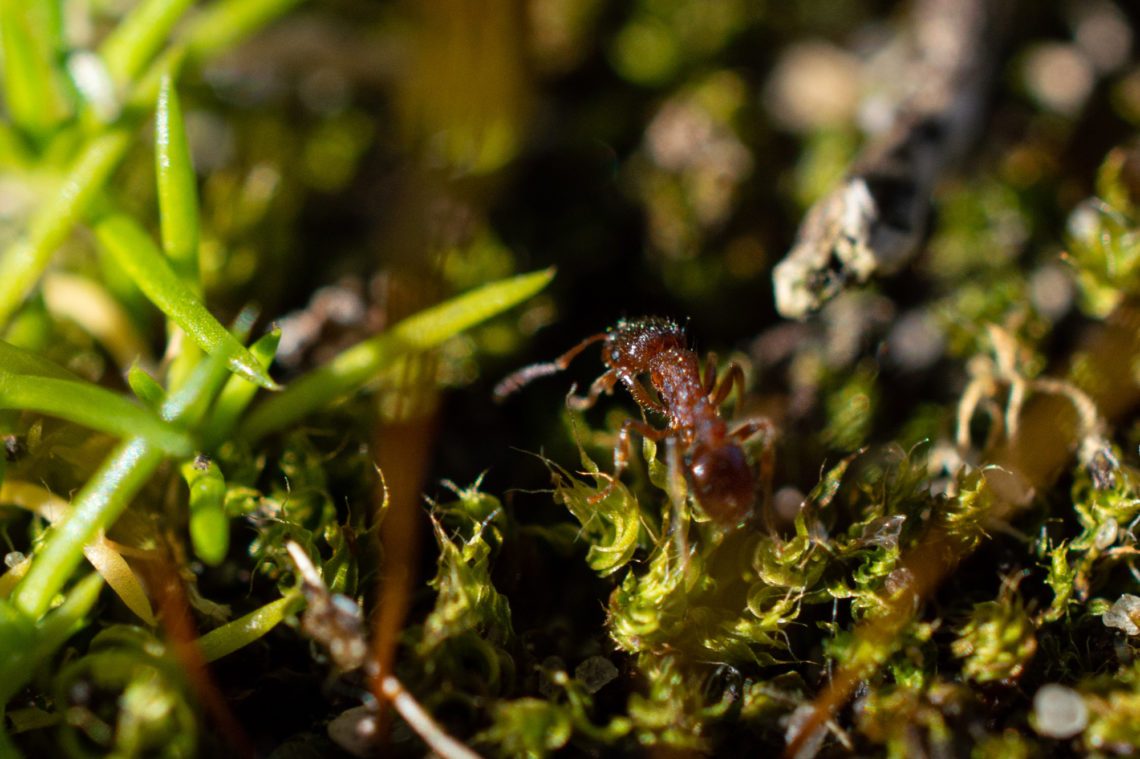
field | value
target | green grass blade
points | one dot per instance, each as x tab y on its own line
95	508
105	495
67	618
20	361
14	153
134	250
17	641
91	406
224	640
209	526
27	37
177	186
137	38
189	401
145	387
144	92
25	260
237	394
224	23
360	363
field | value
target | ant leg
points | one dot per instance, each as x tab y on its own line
621	451
642	396
603	384
709	380
513	382
734	377
765	462
750	429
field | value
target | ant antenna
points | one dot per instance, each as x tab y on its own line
513	382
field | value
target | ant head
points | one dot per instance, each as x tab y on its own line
632	344
722	483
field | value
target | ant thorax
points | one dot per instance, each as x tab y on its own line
676	375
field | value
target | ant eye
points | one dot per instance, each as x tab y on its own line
615	355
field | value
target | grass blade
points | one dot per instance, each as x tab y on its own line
137	38
91	406
209	526
67	618
28	41
25	260
96	507
237	394
19	361
357	365
133	249
239	633
145	387
101	552
224	23
17	641
107	492
177	186
94	309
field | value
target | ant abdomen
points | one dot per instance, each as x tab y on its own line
723	483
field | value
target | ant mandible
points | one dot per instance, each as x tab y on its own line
715	462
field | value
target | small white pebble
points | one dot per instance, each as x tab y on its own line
1059	712
1106	534
355	731
1051	289
1123	614
786	504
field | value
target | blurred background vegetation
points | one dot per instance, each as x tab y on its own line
660	153
361	160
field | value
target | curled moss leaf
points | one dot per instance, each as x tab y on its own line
966	515
466	599
136	698
998	640
1113	702
611	526
530	727
1104	242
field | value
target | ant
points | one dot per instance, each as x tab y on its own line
715	463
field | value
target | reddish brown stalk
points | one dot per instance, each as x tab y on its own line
174	612
403	449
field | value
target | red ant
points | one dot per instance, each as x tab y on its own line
715	462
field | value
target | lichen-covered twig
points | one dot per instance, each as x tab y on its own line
876	218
